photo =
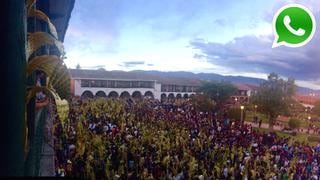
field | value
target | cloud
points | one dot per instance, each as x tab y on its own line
311	4
254	54
106	32
220	22
94	26
129	64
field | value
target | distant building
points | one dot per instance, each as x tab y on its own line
307	101
101	83
244	91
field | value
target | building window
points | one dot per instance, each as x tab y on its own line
116	84
170	88
104	84
146	84
98	84
164	88
179	88
135	84
189	89
111	84
184	89
123	84
85	83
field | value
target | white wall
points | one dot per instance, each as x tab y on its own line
156	91
249	93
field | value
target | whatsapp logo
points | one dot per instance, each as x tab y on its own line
293	25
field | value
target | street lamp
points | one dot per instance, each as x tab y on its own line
242	108
309	118
255	109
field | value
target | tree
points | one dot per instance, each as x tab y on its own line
316	108
235	113
218	91
294	123
274	97
78	66
203	103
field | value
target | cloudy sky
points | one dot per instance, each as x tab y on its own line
226	37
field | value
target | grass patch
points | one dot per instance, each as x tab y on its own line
312	140
301	117
305	123
250	115
315	139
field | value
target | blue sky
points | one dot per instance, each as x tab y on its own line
226	37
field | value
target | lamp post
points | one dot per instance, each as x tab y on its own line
309	118
255	110
242	108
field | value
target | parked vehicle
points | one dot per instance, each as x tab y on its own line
290	131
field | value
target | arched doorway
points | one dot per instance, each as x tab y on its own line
171	96
136	94
185	96
113	94
87	94
101	94
179	96
148	94
125	95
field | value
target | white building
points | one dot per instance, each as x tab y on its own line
101	83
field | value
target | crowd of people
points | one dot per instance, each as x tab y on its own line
149	139
313	129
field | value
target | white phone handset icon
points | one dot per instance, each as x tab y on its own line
287	21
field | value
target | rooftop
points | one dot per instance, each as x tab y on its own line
306	99
132	75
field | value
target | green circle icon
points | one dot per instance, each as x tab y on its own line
293	25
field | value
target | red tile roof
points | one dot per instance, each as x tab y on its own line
306	99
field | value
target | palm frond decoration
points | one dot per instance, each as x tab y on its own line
41	15
45	63
39	39
58	77
29	4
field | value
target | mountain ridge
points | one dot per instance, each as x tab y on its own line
208	76
218	77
